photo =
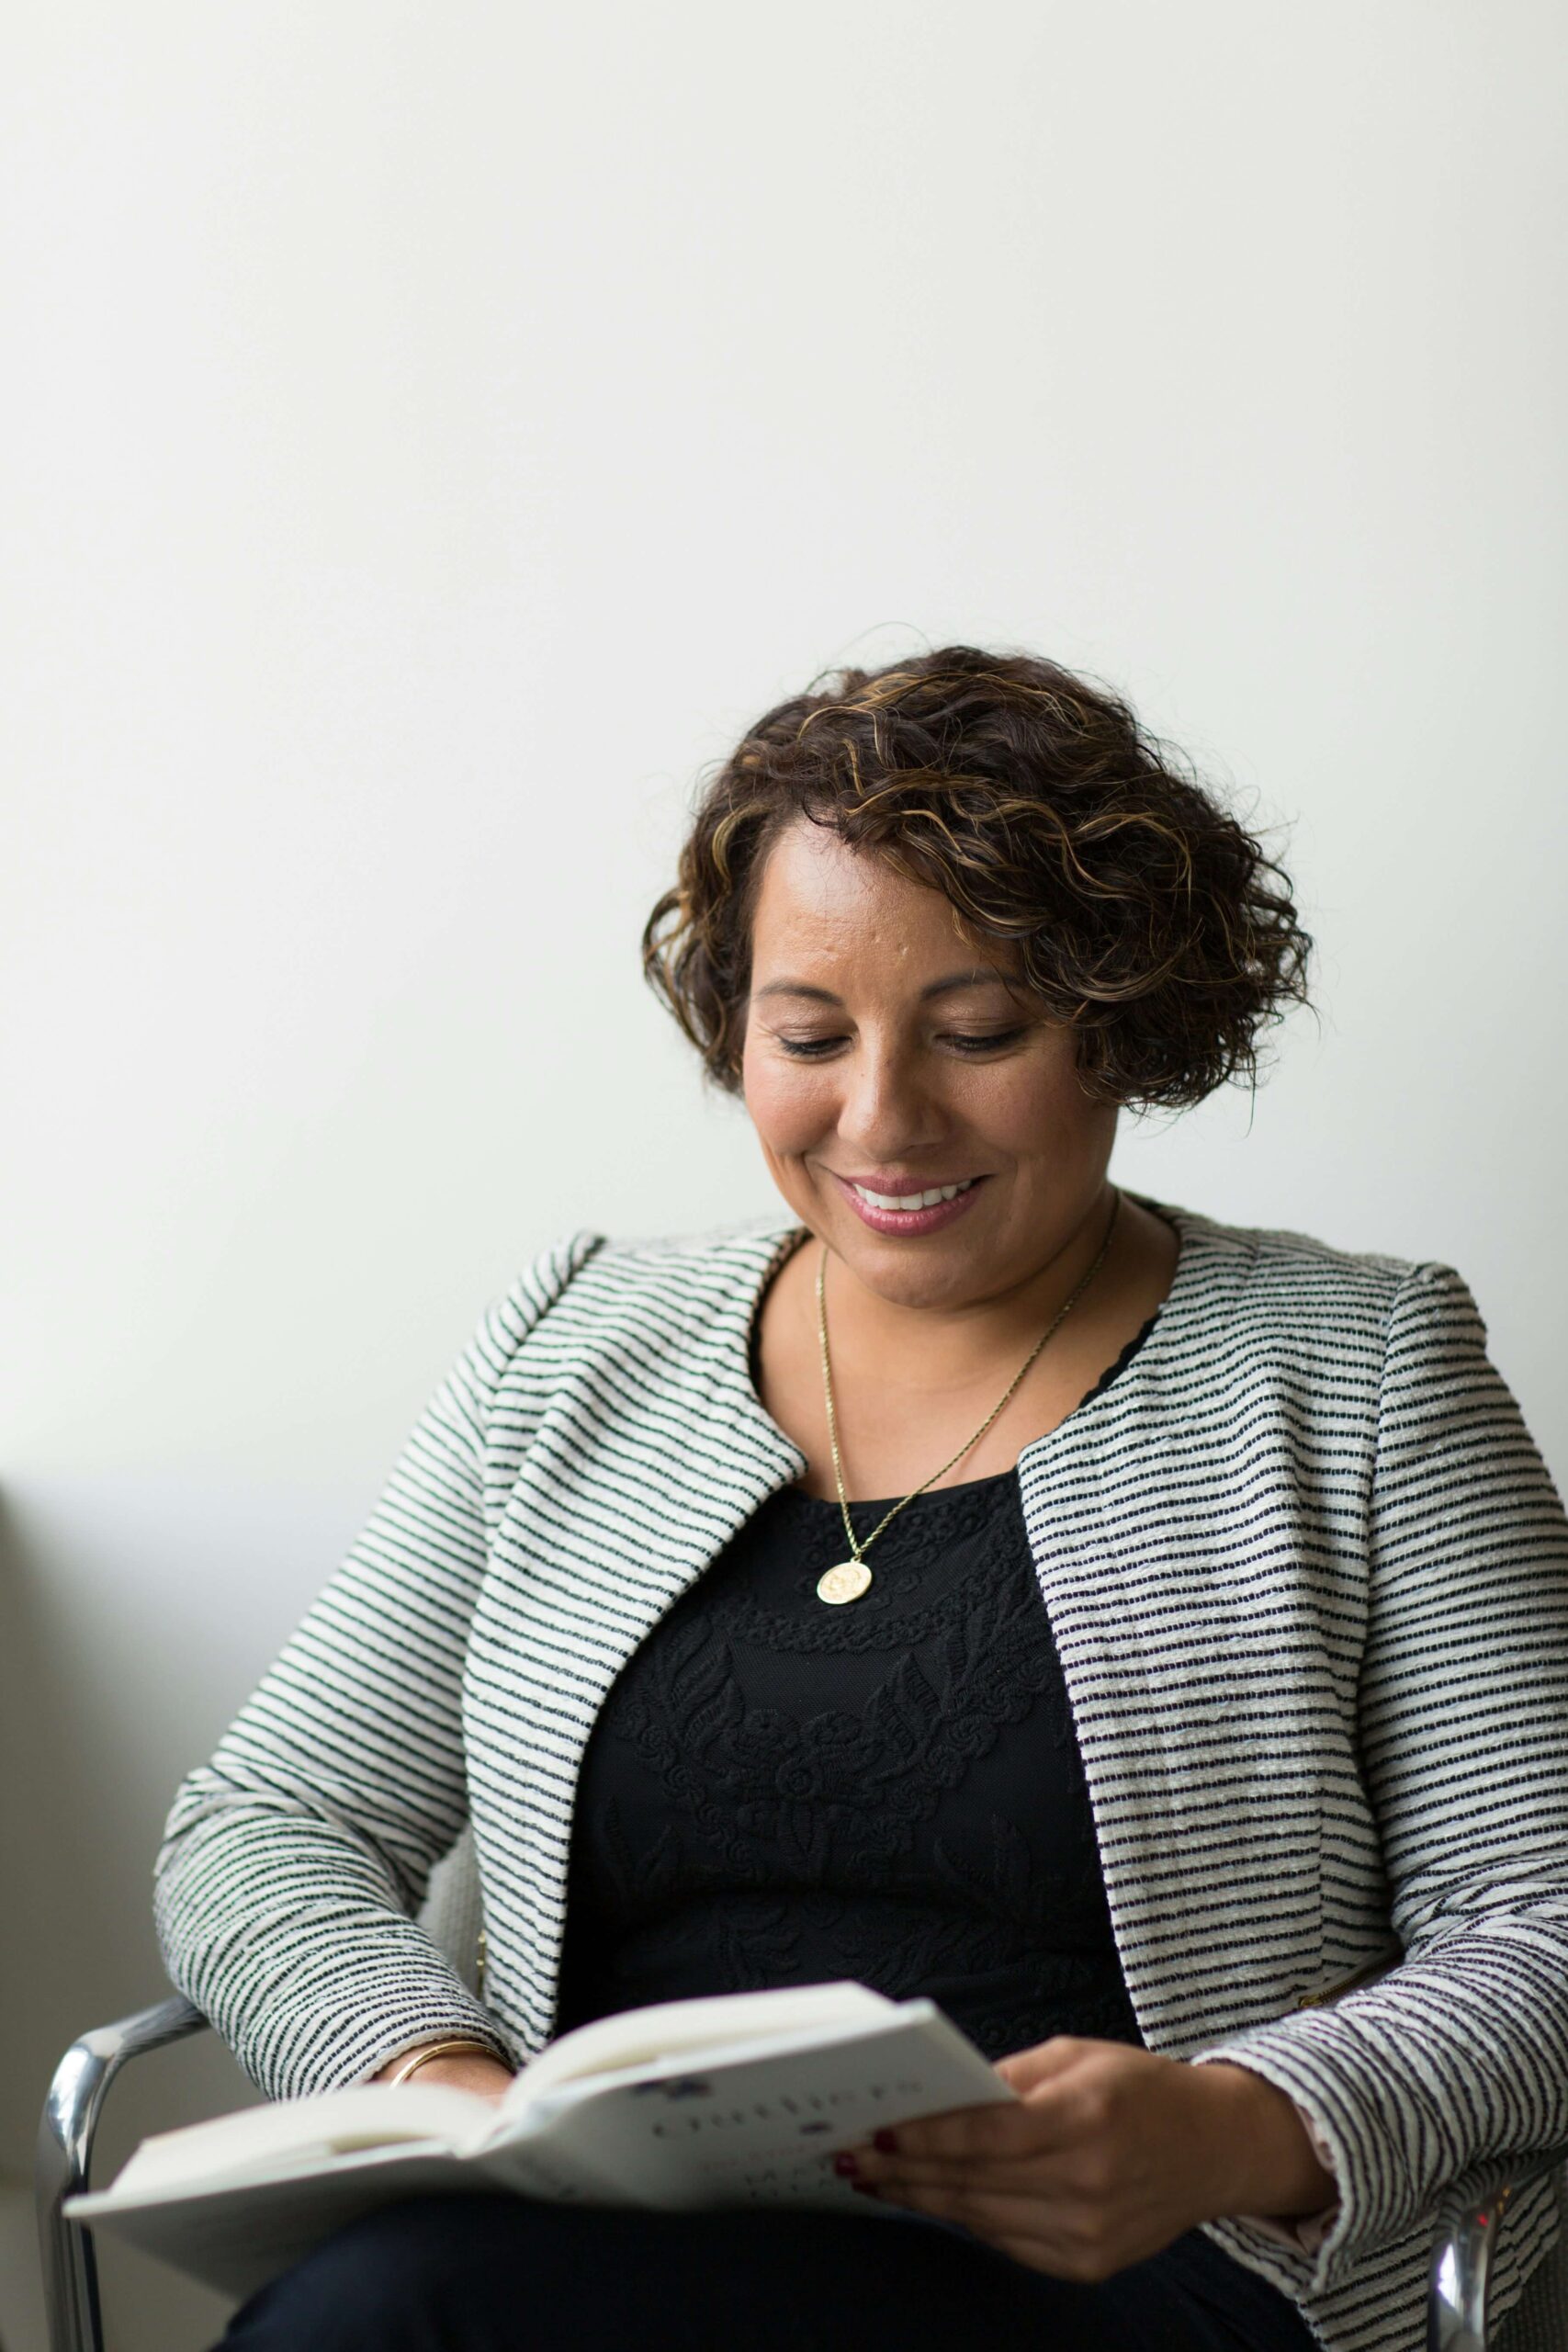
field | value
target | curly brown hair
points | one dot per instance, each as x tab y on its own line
1143	913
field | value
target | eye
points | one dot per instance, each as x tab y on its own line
809	1048
970	1043
967	1044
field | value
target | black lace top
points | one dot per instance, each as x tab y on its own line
777	1791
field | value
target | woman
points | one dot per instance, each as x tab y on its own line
1146	1637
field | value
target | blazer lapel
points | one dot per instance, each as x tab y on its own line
1190	1657
644	1464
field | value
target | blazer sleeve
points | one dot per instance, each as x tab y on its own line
1458	2057
292	1864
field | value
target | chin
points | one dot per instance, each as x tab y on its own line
933	1273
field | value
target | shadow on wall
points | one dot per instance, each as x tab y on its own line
106	1699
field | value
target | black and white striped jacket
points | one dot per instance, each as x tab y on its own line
1308	1578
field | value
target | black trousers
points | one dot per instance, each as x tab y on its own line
487	2273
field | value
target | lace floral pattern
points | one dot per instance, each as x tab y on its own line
779	1792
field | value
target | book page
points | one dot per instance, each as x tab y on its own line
234	2237
754	2124
668	2028
264	2139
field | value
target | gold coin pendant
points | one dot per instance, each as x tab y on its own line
846	1582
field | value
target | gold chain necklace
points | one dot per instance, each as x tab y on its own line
852	1577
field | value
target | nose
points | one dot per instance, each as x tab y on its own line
886	1113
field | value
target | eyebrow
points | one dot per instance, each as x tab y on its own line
986	979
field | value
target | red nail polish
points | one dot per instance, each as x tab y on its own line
885	2142
845	2162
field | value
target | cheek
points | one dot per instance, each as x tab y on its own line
1033	1110
791	1104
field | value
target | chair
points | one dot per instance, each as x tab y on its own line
1463	2247
451	1914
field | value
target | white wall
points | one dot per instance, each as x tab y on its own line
432	433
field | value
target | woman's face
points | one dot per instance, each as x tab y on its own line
885	1056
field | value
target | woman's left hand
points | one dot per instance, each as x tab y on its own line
1110	2154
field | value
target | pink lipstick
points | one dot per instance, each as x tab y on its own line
908	1224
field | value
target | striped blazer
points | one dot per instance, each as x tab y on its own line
1308	1579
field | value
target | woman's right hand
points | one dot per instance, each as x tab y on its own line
462	2070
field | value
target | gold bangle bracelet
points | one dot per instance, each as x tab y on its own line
463	2044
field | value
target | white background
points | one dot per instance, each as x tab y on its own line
432	433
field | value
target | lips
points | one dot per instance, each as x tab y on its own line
891	1191
907	1222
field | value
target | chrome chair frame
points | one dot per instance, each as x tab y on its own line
1465	2243
71	2116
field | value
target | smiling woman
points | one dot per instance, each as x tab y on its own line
1133	1744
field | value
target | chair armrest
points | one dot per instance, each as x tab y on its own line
1469	2225
71	2114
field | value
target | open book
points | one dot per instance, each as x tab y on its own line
740	2100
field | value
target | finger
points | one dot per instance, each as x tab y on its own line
1043	2124
988	2213
1021	2175
1008	2128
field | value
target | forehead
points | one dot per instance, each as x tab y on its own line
822	903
